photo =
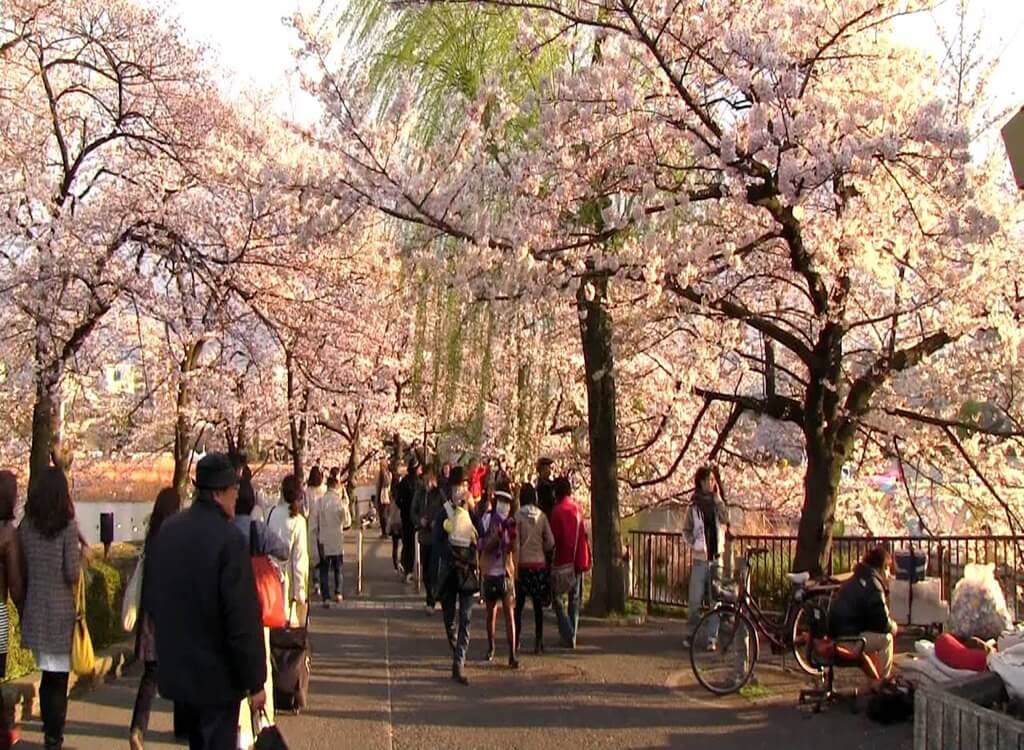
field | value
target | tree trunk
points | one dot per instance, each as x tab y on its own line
352	465
608	593
183	421
45	426
821	490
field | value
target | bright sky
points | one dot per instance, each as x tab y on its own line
254	45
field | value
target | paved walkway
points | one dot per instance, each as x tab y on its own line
381	680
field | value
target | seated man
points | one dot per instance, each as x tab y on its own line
859	609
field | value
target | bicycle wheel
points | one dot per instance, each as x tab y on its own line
801	635
723	651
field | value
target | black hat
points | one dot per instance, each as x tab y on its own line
215	472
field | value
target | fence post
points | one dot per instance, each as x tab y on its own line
727	563
359	563
649	571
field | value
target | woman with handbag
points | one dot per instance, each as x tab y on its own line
167	503
52	561
261	542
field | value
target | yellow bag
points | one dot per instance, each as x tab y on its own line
83	658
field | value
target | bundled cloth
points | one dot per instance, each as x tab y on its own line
978	609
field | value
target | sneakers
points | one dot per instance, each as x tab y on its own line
490	653
513	662
459	676
327	604
339	598
429	609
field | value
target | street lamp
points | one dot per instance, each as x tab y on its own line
1013	137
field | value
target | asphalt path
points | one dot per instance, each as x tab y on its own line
382	680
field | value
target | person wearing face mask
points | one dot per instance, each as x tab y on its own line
498	529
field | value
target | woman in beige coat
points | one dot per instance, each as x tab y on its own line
534	545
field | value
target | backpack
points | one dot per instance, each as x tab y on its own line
892	702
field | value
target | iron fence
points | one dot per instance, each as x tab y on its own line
660	563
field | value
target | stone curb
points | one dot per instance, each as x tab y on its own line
20	695
632	621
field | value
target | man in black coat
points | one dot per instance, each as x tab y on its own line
202	595
859	609
405	496
545	486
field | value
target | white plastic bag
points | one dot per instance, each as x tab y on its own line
1009	665
132	598
978	609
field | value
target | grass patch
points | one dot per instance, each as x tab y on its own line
753	692
672	613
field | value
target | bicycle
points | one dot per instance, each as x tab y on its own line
724	647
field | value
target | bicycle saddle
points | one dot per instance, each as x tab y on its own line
799	579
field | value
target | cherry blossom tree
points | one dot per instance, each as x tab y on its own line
788	176
104	111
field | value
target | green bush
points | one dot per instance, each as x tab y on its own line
104	591
19	660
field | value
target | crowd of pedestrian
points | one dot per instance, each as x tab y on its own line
483	537
202	632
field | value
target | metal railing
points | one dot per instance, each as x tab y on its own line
660	563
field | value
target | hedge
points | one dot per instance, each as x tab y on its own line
104	590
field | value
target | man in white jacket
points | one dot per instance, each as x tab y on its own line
327	523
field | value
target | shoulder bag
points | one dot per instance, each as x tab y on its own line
268	585
83	658
133	597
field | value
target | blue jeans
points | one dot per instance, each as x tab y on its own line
568	625
327	564
458	638
702	575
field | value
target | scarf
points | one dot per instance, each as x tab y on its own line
704	502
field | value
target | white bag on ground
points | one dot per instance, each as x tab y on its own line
1009	665
978	609
132	598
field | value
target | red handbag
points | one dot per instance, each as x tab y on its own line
268	587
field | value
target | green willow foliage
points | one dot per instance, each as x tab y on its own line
443	52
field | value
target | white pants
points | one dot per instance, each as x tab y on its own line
882	645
